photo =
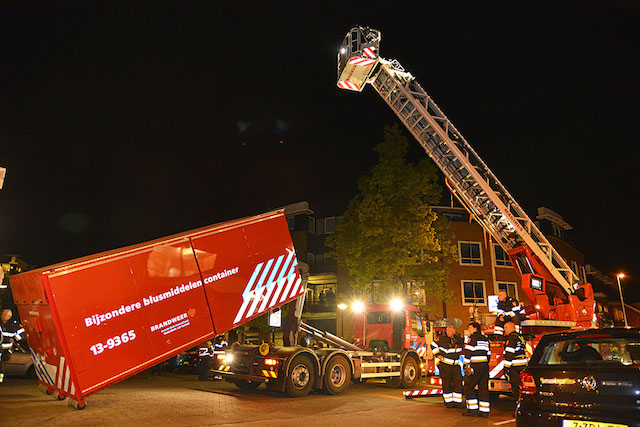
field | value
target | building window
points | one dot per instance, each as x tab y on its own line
556	230
473	292
576	269
330	225
617	315
312	225
510	287
291	222
583	274
470	253
502	258
310	257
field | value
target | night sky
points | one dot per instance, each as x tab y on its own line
124	121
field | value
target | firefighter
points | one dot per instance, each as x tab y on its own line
477	353
219	348
11	332
11	328
4	345
515	358
448	349
509	310
205	356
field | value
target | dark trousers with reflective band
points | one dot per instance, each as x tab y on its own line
498	328
451	382
514	378
477	400
204	367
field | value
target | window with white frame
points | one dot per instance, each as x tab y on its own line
330	225
574	268
473	292
501	257
470	253
510	287
556	230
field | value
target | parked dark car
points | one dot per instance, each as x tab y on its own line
588	378
184	363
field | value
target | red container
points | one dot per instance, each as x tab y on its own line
94	321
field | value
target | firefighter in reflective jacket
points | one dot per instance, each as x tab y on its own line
477	352
515	358
448	349
509	310
219	348
205	356
11	332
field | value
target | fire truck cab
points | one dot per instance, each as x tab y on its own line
380	327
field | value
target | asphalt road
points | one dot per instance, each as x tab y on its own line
181	400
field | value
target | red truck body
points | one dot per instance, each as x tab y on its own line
94	321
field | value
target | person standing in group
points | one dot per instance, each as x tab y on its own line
477	353
219	349
515	358
509	310
205	357
10	333
448	349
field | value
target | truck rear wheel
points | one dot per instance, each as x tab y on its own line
300	377
336	375
246	385
409	373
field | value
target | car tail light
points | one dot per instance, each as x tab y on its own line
527	384
270	362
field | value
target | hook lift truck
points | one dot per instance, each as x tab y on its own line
560	299
94	321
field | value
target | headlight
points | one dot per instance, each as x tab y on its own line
228	358
270	362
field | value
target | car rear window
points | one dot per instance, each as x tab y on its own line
592	349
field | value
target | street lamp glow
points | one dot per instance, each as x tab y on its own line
358	307
624	312
342	306
397	304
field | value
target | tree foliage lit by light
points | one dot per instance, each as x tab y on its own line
389	234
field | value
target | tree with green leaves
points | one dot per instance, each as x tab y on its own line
389	235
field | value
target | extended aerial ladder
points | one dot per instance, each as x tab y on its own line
555	290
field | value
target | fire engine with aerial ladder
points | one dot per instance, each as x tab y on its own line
560	299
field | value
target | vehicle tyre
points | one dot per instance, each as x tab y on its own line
31	373
410	372
336	375
246	385
300	376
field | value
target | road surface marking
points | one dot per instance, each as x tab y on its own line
513	420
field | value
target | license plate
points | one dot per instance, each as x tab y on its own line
574	423
500	386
